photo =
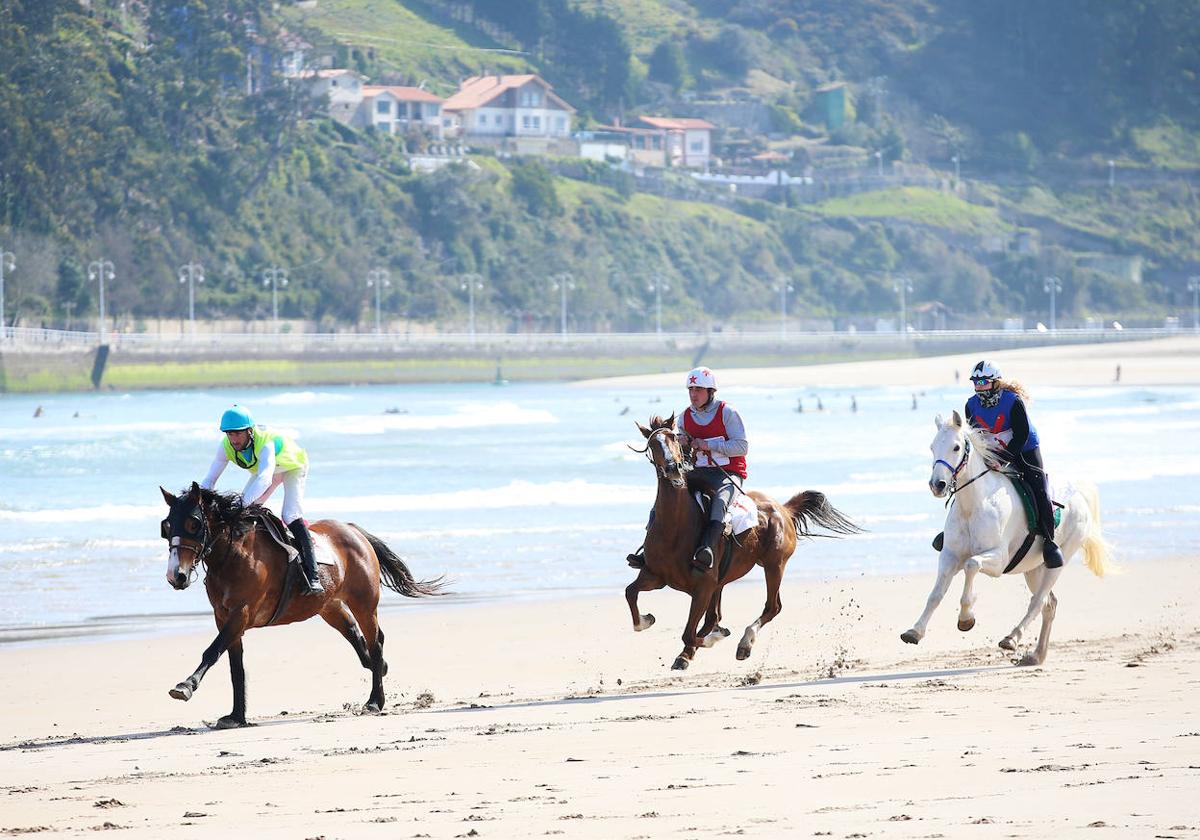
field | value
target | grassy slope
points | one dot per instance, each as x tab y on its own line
915	204
406	42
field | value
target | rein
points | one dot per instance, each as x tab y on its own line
955	487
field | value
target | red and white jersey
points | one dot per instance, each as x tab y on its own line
722	428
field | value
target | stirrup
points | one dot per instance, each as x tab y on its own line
312	587
703	559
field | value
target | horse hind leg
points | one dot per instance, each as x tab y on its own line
1037	656
712	631
338	616
1040	581
774	606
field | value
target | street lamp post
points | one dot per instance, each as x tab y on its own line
1194	288
955	161
379	279
8	262
658	285
275	276
903	285
1053	285
191	273
563	282
101	270
1112	178
879	164
783	287
471	282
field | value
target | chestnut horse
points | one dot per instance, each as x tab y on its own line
249	583
675	531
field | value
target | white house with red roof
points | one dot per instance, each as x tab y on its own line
687	141
521	113
400	110
343	87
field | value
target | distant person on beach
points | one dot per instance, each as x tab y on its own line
717	436
998	405
1117	377
273	459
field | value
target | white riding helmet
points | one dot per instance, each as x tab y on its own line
701	377
986	370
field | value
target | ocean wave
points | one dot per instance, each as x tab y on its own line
303	398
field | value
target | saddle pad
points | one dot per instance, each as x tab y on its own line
323	548
1026	497
741	516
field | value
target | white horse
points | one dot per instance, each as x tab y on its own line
986	526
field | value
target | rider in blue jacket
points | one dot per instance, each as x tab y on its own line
999	407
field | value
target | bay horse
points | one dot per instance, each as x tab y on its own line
675	531
249	583
986	527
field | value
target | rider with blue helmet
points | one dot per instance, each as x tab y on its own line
998	405
273	459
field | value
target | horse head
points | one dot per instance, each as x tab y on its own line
665	451
186	530
951	447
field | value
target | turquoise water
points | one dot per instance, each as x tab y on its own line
528	490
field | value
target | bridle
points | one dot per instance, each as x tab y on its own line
671	470
955	487
175	541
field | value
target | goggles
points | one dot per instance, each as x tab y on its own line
982	380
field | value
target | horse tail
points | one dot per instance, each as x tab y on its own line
1096	550
395	574
810	508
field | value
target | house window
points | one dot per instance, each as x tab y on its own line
433	110
383	107
416	111
402	110
560	123
537	123
499	119
696	146
525	121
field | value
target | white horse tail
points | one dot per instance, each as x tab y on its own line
1096	549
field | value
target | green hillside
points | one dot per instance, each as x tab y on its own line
127	133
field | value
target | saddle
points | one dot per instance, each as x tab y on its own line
274	528
1026	497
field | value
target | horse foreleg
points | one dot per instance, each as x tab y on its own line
774	606
644	582
237	675
230	632
966	617
948	566
700	602
712	631
1040	582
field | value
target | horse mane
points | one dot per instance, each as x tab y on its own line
230	511
982	441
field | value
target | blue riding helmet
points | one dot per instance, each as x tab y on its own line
236	419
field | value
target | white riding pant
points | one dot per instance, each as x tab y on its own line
293	492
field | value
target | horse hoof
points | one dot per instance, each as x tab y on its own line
680	664
743	652
1029	660
372	708
646	623
230	722
910	637
1008	643
384	669
966	625
724	631
183	691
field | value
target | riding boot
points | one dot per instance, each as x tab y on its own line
308	558
637	560
1039	484
703	559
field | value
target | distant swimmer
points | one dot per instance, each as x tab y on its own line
820	405
914	404
854	405
800	406
624	411
38	412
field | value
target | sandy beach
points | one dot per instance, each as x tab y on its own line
1168	361
554	717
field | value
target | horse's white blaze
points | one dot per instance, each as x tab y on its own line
172	563
985	527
